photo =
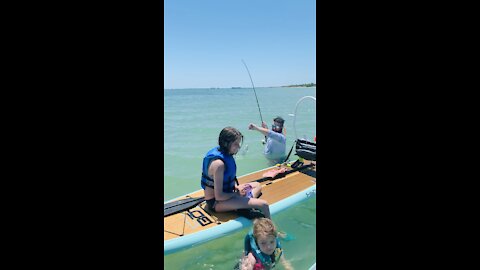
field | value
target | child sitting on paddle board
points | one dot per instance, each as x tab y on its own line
262	247
219	181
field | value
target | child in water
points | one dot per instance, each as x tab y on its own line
262	247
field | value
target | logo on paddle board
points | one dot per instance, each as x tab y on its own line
311	193
200	217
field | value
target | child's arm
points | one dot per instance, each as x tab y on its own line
286	264
248	262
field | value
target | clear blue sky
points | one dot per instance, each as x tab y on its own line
206	40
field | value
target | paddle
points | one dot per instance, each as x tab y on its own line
182	201
181	205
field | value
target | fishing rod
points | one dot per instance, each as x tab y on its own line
258	105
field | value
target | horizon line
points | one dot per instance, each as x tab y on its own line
235	87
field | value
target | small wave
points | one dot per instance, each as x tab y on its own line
309	226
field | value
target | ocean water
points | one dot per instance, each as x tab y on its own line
193	119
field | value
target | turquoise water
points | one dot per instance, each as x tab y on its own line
193	120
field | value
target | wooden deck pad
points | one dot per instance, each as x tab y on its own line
197	218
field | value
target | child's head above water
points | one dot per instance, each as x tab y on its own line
265	235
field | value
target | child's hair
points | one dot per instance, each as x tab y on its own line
227	136
264	227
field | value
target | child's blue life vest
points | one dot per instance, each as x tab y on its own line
229	175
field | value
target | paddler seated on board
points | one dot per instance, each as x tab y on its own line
219	179
276	140
262	249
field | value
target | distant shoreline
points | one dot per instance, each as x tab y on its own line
298	86
234	88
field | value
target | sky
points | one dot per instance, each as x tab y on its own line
206	40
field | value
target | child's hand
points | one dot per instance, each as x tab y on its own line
247	263
286	264
242	189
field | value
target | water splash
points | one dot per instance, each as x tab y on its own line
244	150
286	236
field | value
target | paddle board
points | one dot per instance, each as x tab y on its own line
198	225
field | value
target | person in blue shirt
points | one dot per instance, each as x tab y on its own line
276	140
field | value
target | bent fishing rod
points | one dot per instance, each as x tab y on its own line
253	86
258	105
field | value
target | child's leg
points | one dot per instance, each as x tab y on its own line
243	203
256	189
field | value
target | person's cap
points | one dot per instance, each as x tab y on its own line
279	120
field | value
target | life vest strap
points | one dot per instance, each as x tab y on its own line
207	181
